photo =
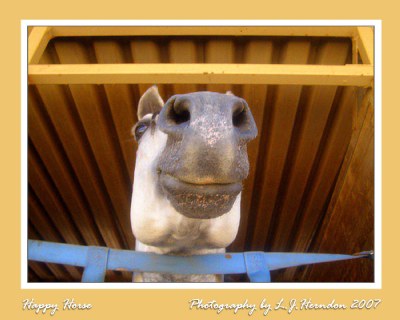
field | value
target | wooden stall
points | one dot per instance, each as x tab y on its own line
311	183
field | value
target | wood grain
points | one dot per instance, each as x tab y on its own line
310	186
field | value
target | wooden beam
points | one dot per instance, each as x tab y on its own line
39	37
311	31
366	44
347	75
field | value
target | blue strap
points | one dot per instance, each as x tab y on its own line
232	263
96	264
256	264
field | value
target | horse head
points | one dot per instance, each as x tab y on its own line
191	162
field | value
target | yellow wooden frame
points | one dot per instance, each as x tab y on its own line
348	75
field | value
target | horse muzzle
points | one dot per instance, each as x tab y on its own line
199	201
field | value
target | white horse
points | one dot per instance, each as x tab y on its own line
190	164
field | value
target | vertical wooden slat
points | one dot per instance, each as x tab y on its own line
32	276
39	37
44	137
63	115
42	272
38	272
256	51
32	233
32	266
358	123
349	225
30	28
41	221
275	142
183	51
313	121
335	146
48	196
366	44
76	148
121	101
94	114
123	105
219	51
361	114
147	51
354	55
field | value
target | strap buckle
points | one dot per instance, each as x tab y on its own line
96	264
257	267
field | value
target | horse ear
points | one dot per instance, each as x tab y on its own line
150	102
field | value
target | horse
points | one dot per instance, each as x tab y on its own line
190	164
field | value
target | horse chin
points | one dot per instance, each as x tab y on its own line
199	201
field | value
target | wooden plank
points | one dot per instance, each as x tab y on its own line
256	51
183	51
36	221
219	52
348	75
45	139
350	216
357	127
147	52
334	149
63	115
276	141
39	37
41	221
94	113
32	276
305	144
75	273
42	271
122	102
309	31
76	147
365	40
49	198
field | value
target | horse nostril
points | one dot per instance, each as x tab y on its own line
175	115
239	115
243	122
179	112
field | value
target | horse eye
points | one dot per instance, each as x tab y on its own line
140	130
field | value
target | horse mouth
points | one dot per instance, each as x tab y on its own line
200	201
